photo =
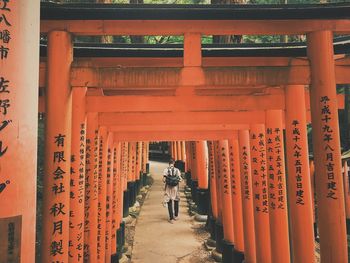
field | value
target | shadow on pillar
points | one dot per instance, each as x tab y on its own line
126	201
202	201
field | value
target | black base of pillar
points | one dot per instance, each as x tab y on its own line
122	236
219	234
202	198
227	252
115	258
238	256
126	202
315	231
211	227
138	187
119	240
188	179
144	179
194	187
147	168
180	165
132	189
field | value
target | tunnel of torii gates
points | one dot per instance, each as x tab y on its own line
224	107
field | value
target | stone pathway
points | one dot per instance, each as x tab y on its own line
156	240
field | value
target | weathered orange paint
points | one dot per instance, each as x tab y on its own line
57	149
202	164
236	193
329	182
91	188
77	176
260	193
299	183
18	161
212	175
247	197
277	188
226	193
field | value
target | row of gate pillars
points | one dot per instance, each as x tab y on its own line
84	223
262	204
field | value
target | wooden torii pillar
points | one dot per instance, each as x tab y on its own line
77	176
91	188
54	246
213	213
202	193
326	143
299	180
18	142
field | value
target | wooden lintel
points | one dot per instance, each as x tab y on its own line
180	27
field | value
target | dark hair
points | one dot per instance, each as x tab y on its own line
171	161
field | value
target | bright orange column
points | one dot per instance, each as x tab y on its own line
138	160
19	72
299	181
202	197
109	197
226	200
236	194
326	144
218	180
260	193
277	187
183	151
102	192
247	197
202	164
77	176
194	175
213	194
179	150
54	246
175	150
91	188
115	199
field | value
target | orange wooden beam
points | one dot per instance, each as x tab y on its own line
228	74
204	27
166	128
272	100
173	135
182	118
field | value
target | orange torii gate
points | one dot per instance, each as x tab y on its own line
192	85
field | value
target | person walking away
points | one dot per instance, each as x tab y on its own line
171	178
